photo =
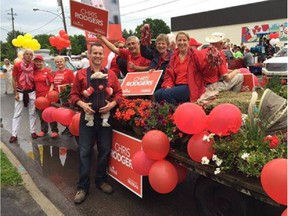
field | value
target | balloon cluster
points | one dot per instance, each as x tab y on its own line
190	118
61	41
26	41
163	175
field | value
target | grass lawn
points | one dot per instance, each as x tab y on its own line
8	173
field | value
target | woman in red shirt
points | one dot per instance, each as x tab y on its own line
43	79
175	85
63	76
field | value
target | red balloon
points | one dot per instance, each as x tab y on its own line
47	114
181	172
53	96
56	114
62	32
163	176
66	116
224	119
190	118
284	213
274	180
74	125
52	40
155	144
142	163
65	36
41	103
198	148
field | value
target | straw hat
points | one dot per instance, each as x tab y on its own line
216	37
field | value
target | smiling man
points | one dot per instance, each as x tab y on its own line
97	132
135	61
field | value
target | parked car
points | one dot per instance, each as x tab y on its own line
49	63
277	65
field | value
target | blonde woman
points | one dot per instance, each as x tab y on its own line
8	67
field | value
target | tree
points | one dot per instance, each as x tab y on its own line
126	34
10	36
7	51
157	26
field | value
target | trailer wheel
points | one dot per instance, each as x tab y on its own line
214	199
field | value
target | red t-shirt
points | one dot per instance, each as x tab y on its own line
63	77
43	80
17	72
176	72
211	75
114	66
137	60
80	84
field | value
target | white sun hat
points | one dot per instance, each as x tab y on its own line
215	37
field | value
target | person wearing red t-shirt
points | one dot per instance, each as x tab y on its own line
63	76
88	133
181	83
214	68
24	89
43	79
135	61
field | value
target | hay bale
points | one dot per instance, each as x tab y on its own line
241	100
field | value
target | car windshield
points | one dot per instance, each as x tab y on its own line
49	63
282	52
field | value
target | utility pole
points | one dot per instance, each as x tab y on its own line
60	3
12	15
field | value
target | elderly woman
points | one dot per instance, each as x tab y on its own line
43	79
8	67
177	86
63	76
160	57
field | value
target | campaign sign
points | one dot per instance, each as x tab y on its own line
140	83
120	164
248	83
89	18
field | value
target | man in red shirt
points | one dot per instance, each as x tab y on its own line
88	134
135	61
212	63
24	89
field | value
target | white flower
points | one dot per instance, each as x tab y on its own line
218	162
205	160
206	138
217	171
214	157
245	156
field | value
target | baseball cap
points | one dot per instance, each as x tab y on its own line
39	57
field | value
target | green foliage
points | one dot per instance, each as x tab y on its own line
9	174
278	86
157	26
8	51
65	93
126	33
10	36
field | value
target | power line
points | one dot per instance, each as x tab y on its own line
4	29
44	25
152	7
124	6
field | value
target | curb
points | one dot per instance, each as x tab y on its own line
46	205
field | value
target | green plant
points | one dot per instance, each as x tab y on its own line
161	118
9	174
65	93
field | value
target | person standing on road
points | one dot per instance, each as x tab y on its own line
24	89
8	67
99	133
63	76
43	79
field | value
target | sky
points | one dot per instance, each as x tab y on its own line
132	13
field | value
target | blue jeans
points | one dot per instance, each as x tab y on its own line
174	95
88	135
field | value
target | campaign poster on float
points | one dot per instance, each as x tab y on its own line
140	83
120	164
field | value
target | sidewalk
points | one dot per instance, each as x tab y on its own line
26	199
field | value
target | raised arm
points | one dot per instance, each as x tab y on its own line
110	45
